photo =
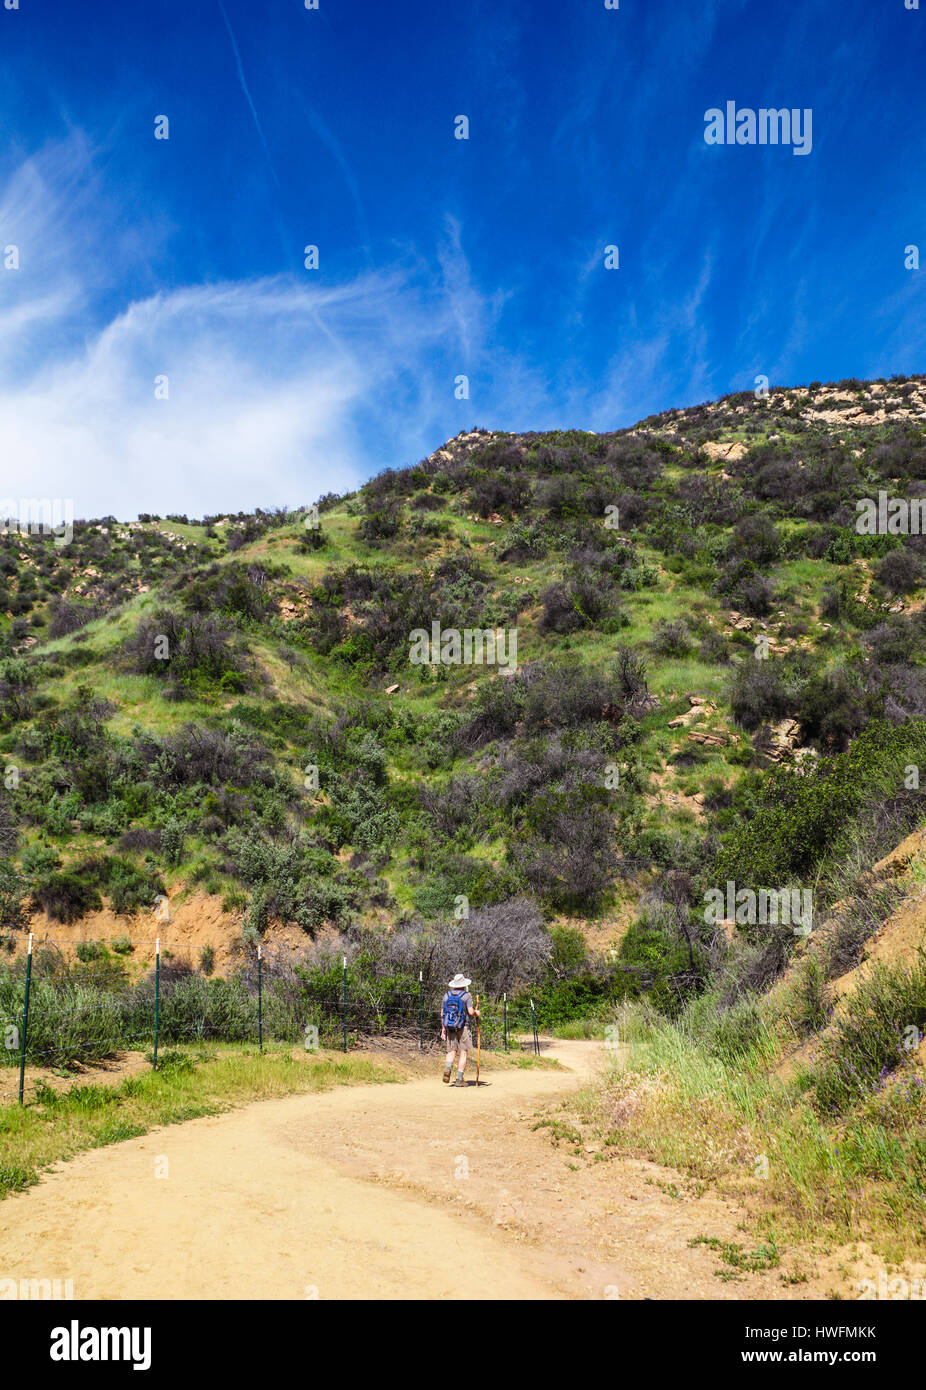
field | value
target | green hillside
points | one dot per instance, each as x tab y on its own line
697	618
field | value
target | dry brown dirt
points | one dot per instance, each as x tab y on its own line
406	1191
197	919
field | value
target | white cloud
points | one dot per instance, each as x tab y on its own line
263	379
279	388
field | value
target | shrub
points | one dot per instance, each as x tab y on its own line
714	649
834	707
17	692
671	638
455	804
195	1007
741	584
358	812
841	603
312	538
569	952
68	1022
382	522
756	536
759	693
498	945
12	891
215	757
860	912
192	651
235	589
899	639
557	697
586	995
173	833
500	492
564	847
811	1006
426	502
901	571
798	814
67	617
140	839
9	836
656	959
585	600
526	540
130	888
66	897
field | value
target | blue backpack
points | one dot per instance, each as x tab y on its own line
453	1011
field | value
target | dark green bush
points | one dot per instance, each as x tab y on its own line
66	896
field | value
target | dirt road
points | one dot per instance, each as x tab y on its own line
371	1192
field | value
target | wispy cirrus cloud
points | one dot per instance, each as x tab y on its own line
247	93
277	388
266	380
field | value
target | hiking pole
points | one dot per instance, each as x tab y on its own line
478	1039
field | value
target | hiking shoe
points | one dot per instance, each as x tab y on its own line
447	1071
458	1081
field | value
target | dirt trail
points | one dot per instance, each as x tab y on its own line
372	1192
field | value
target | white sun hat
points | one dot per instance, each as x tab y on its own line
459	982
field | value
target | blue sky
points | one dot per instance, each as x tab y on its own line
437	257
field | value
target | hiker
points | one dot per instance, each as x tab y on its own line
456	1011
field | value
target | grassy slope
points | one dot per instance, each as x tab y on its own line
318	685
859	1172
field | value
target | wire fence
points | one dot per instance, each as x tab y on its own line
48	1030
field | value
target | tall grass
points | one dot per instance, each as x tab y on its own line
701	1097
74	1021
882	1025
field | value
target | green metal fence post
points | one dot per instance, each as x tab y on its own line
505	1021
260	1001
420	1010
344	1002
22	1039
534	1027
157	998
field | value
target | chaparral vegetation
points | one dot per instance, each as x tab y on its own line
720	678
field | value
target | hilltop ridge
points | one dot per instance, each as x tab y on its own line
644	569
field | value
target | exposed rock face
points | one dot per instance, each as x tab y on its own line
784	742
728	452
698	709
708	740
